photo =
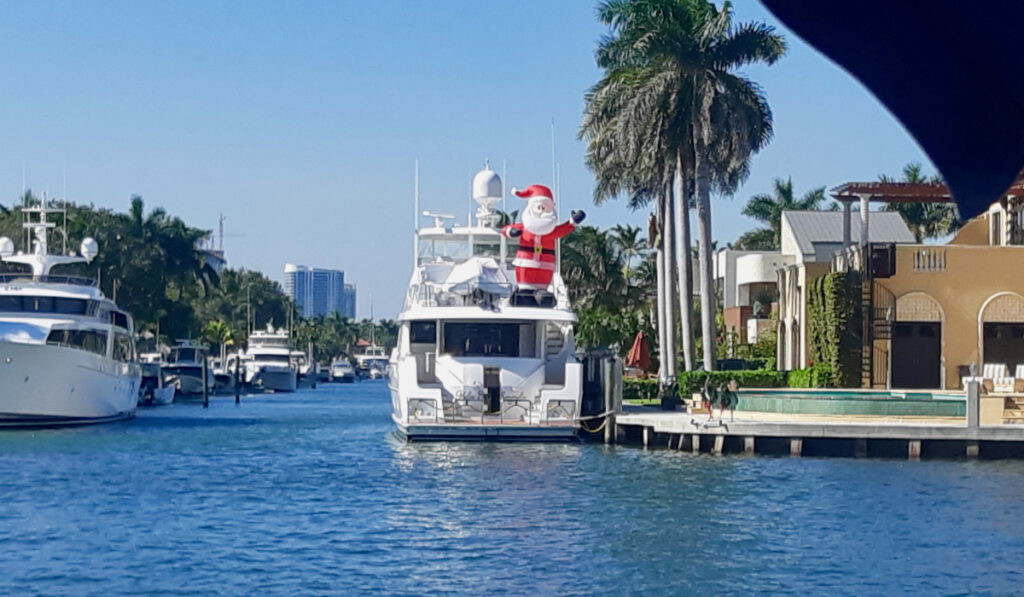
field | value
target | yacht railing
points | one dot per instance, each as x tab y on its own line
47	279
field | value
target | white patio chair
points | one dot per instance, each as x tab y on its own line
999	376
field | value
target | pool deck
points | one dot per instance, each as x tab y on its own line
858	435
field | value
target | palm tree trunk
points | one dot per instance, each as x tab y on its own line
702	131
662	342
670	324
685	277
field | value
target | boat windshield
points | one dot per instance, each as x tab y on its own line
485	339
180	355
456	249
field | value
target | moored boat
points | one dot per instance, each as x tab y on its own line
67	352
478	357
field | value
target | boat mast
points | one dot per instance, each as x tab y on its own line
416	213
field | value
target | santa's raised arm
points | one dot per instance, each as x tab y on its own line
535	257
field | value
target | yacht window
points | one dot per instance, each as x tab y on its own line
487	249
274	358
123	348
183	355
423	332
43	304
488	339
119	319
88	340
443	250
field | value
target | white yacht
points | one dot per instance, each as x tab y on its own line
267	361
183	369
152	391
67	353
372	362
475	358
342	371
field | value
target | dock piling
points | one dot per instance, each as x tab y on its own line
796	446
748	444
695	443
206	391
914	449
719	444
972	449
860	447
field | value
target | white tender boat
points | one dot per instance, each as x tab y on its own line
267	362
342	371
183	369
476	358
67	353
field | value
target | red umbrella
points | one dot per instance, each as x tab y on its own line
638	355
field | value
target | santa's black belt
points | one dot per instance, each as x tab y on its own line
532	251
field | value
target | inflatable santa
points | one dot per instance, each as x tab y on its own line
535	258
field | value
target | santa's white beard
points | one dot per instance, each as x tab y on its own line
539	223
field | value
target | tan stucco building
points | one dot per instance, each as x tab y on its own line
944	312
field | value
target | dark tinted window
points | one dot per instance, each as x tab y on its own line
89	340
43	304
481	339
423	332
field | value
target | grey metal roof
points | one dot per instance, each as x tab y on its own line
811	227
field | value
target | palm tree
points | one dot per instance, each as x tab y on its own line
925	220
671	108
630	245
767	209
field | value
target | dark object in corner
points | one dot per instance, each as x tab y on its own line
523	297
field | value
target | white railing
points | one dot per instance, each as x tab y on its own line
930	260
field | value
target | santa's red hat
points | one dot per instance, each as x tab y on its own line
534	191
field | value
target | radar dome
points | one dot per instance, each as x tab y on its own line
89	248
6	247
487	186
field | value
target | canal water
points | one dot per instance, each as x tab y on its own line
312	494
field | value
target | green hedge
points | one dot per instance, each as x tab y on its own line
691	382
639	389
815	376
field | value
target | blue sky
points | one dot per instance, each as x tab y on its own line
301	121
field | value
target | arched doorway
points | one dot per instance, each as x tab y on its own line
1001	329
917	342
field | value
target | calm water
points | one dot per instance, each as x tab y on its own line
311	494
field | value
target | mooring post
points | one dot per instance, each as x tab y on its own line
796	446
973	401
914	449
206	392
748	444
860	447
238	382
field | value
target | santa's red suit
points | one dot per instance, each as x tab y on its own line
535	258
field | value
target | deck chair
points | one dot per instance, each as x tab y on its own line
996	378
1018	379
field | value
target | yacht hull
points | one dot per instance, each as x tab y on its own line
485	432
43	385
276	381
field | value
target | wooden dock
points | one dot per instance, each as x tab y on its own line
825	435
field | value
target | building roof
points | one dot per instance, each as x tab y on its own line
809	227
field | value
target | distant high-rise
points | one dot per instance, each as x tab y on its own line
319	291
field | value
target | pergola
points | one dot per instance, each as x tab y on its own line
895	192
